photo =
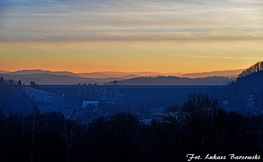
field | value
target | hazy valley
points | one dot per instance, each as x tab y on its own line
146	108
67	78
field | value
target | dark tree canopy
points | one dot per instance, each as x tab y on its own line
199	126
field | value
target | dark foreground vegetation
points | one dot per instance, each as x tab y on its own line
199	127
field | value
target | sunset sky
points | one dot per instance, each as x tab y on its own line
166	36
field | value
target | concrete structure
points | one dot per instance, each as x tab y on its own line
90	103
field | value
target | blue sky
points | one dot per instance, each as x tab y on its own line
60	20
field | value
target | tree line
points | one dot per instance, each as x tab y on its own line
198	127
3	81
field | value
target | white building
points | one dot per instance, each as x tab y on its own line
90	103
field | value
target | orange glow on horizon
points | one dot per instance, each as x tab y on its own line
131	56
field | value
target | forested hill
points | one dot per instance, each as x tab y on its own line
246	93
251	82
172	80
252	69
251	78
13	99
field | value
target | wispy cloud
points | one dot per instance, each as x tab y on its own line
60	20
218	57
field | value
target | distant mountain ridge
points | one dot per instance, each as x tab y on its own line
3	71
172	80
68	78
126	75
38	71
226	73
52	79
107	74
